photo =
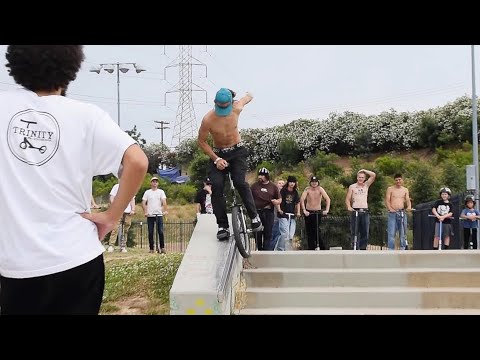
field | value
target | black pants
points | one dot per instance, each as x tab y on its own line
312	226
237	165
466	238
77	291
264	237
151	220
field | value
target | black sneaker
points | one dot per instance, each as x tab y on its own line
257	224
223	234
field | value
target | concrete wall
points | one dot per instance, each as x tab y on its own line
208	274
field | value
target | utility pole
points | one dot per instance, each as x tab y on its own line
162	127
475	136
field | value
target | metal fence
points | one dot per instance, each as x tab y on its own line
424	226
176	234
335	232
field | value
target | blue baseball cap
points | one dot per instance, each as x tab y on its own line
223	102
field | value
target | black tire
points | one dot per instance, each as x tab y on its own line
240	232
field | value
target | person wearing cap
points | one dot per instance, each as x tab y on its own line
228	154
470	217
265	194
396	198
311	205
443	211
203	199
357	201
288	208
154	203
51	258
124	223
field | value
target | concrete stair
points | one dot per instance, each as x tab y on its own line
363	282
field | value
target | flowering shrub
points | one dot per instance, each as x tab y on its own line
339	133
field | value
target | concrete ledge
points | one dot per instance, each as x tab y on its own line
208	272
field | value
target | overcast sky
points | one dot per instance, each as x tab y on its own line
288	82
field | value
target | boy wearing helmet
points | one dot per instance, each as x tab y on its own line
443	211
470	224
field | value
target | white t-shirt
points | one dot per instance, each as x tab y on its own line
54	146
114	192
154	201
208	204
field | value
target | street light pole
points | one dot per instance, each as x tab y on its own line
475	136
110	68
118	94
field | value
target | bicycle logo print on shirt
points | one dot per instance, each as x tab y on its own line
33	136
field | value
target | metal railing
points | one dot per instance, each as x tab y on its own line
177	234
335	232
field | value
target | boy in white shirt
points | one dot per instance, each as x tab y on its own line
154	203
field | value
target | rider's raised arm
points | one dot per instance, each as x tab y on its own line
238	105
202	139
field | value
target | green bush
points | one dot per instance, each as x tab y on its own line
288	152
389	165
182	193
198	168
322	164
425	186
336	192
454	176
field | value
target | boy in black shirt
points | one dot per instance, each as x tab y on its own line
443	211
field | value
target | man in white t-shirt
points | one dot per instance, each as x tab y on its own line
124	223
154	203
51	257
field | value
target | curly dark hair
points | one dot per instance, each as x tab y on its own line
44	67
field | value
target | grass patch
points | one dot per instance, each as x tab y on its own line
138	282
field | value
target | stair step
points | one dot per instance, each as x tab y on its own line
366	259
355	311
363	297
408	277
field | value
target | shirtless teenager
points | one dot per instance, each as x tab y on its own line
357	200
228	154
395	199
311	204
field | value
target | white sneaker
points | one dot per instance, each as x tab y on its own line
123	250
110	248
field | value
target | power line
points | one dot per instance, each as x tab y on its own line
162	127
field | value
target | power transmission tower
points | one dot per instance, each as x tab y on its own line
162	127
185	123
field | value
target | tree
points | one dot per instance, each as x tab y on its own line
424	188
136	137
158	154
